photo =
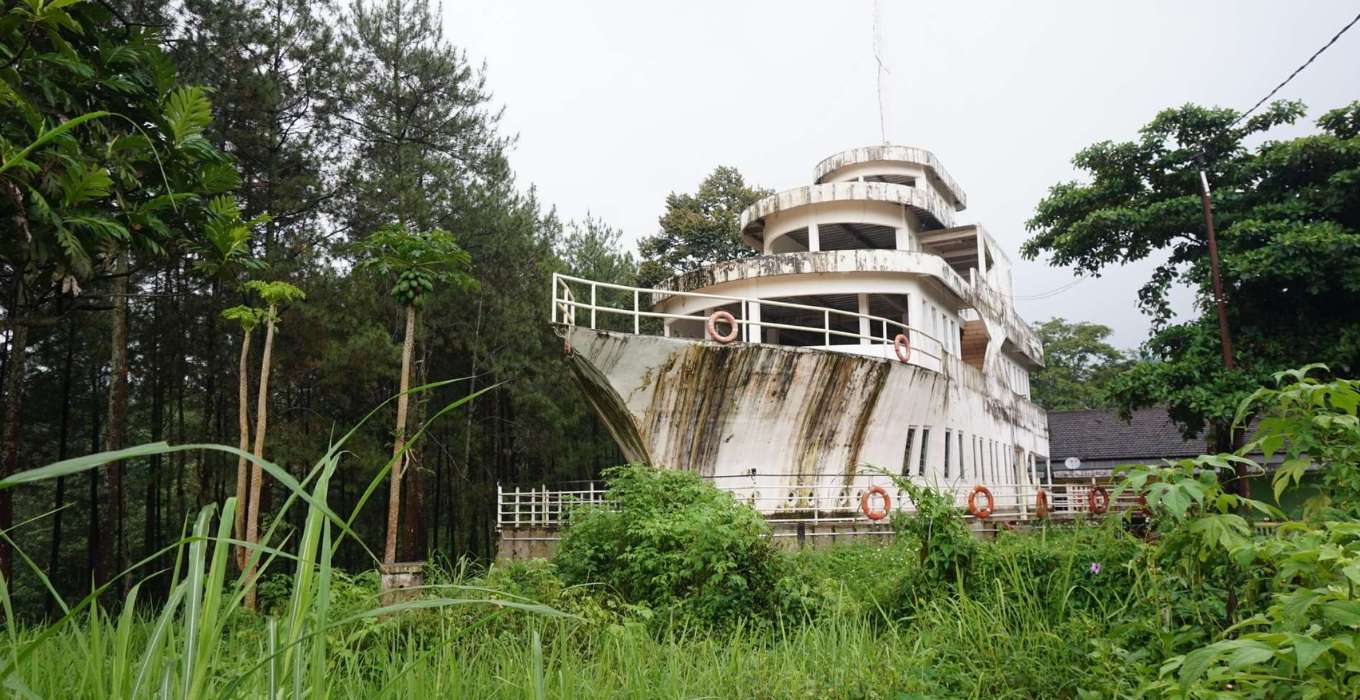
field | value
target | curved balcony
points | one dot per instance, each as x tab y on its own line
932	211
885	161
882	264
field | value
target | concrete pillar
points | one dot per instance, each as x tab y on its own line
903	238
863	322
814	238
753	328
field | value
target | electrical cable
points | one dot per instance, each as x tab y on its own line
1050	293
1298	70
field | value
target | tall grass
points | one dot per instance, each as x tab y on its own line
506	635
198	642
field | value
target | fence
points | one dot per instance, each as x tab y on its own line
541	507
926	350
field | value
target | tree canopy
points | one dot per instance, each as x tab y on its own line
699	229
1288	219
1079	365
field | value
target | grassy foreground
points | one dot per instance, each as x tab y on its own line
949	647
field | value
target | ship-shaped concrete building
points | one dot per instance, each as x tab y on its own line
870	333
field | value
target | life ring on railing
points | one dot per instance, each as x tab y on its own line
721	316
1098	500
902	346
869	511
974	510
1041	504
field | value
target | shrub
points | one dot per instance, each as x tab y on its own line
857	578
673	542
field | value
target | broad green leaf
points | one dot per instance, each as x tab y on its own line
1306	651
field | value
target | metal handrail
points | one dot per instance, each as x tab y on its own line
567	305
817	503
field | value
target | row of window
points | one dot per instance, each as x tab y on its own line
1017	377
943	327
963	456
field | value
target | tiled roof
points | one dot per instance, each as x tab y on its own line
1149	435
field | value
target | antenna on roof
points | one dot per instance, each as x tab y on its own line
880	70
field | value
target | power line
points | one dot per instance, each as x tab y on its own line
1050	293
1298	70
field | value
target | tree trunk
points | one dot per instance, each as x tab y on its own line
63	441
92	481
14	387
415	547
256	473
399	440
242	464
109	554
155	464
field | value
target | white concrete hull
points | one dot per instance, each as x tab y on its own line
784	419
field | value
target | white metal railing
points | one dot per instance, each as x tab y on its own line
823	502
926	350
543	508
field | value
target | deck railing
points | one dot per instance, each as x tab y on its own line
636	304
541	507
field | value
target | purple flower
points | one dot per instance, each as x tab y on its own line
1095	568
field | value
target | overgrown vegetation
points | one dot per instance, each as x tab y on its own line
673	543
676	590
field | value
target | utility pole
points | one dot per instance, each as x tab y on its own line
1225	442
1225	338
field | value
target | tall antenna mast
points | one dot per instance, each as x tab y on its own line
880	70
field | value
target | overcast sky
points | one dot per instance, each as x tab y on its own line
618	103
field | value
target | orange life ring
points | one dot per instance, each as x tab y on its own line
721	316
1041	504
1098	500
872	513
974	510
902	346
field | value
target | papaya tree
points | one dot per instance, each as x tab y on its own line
222	253
248	318
274	295
417	261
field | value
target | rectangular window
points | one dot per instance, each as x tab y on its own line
960	457
925	448
906	454
977	457
948	442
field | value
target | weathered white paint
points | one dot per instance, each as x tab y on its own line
885	159
801	417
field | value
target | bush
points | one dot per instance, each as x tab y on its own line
673	542
858	579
